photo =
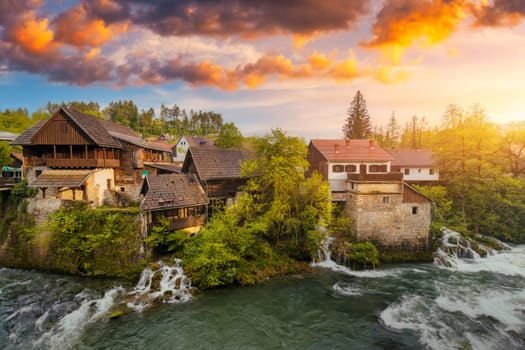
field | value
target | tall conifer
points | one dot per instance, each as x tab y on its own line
357	125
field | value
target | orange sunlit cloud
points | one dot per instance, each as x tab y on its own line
75	28
403	22
33	34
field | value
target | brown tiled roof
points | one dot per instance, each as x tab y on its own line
171	167
61	178
195	141
137	141
25	137
216	163
94	127
171	191
351	150
118	128
412	157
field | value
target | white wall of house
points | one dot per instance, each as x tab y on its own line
337	179
181	148
420	174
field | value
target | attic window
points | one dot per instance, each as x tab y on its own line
414	210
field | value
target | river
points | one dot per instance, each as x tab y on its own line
475	304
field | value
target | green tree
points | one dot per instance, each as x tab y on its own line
229	137
357	124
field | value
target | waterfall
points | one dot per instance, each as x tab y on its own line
160	283
456	248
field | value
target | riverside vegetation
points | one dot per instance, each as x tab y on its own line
275	226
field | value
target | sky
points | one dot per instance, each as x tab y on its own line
294	65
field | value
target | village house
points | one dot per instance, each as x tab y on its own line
177	197
218	171
416	165
180	149
77	156
384	209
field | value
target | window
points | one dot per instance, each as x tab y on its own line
414	210
376	168
386	200
419	170
351	168
431	171
338	168
407	171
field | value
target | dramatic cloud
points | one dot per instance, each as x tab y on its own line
75	28
500	12
232	17
400	23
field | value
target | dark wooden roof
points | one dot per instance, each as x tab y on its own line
137	141
61	178
172	168
171	191
96	129
25	137
213	163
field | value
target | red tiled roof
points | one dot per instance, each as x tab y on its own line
412	157
351	150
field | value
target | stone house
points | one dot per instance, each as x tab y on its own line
178	197
384	209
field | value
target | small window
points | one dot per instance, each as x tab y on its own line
338	168
122	189
414	210
350	168
407	171
386	200
419	170
431	171
375	168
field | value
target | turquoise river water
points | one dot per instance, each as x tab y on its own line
474	304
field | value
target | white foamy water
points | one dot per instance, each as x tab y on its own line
478	304
70	327
173	286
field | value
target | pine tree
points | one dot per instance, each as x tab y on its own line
357	125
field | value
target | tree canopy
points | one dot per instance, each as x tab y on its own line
357	124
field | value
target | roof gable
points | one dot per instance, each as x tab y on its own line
351	150
171	191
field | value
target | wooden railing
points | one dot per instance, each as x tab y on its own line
82	163
179	224
9	181
376	177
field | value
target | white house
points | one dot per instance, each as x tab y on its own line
417	165
335	159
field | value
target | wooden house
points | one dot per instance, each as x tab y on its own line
218	171
111	157
177	197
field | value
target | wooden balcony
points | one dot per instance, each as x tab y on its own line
82	163
376	177
180	224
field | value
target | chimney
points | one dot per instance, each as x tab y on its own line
371	144
347	144
336	147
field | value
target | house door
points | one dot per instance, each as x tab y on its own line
362	169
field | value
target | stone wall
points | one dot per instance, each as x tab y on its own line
390	224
